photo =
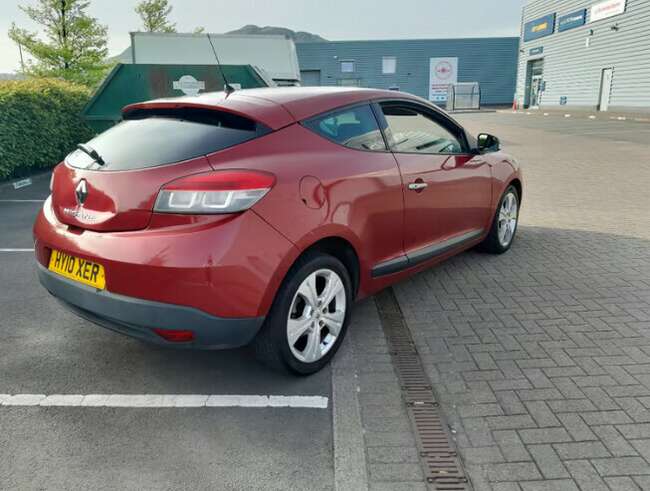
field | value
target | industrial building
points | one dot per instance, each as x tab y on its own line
586	54
424	67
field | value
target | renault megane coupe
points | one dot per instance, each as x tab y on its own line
259	217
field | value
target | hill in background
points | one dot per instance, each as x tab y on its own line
297	36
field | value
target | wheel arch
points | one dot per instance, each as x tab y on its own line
335	245
344	251
516	182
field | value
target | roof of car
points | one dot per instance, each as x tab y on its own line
278	106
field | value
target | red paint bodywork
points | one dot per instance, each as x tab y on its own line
232	265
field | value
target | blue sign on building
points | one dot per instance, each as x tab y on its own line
572	20
538	28
536	51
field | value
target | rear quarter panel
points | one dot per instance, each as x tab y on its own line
355	195
504	170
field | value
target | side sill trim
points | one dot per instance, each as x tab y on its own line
424	254
391	266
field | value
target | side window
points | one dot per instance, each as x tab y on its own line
354	127
410	131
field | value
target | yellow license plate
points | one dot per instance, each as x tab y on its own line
78	269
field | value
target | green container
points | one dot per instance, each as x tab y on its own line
127	84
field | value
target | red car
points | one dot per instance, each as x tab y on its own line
261	216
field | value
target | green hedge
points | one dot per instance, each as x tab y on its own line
40	123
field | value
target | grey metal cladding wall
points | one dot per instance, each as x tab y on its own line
490	61
574	71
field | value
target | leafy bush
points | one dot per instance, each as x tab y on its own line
40	123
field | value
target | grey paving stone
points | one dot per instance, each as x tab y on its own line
643	447
555	485
571	406
546	435
581	450
539	394
547	461
606	417
512	448
576	426
568	388
510	422
614	441
643	482
477	410
510	403
634	408
600	398
541	413
506	486
516	471
621	466
585	475
482	455
621	484
641	430
478	432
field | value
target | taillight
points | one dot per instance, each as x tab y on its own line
227	191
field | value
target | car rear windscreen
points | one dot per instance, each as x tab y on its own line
148	138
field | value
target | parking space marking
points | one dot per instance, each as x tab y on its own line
16	250
163	401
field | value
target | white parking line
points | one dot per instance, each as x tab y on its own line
16	250
162	401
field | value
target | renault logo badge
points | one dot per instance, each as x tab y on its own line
81	192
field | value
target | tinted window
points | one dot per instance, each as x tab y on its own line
355	127
151	138
410	131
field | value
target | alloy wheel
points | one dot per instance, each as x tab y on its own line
316	315
508	215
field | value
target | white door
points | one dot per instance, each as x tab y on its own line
605	88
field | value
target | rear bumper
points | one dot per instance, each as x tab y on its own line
137	318
227	266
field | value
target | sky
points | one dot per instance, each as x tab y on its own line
332	19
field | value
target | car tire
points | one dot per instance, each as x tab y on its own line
296	310
504	224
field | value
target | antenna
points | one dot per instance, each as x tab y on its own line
227	87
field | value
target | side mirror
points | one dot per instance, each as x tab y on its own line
488	143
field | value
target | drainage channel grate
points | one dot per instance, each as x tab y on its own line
443	470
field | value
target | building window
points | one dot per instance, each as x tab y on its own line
388	65
347	66
349	82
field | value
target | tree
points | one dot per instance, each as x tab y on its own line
74	47
154	15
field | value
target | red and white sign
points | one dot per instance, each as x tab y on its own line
442	73
609	8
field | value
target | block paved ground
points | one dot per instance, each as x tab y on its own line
541	357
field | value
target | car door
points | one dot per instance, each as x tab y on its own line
447	188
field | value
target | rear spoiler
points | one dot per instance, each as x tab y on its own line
257	109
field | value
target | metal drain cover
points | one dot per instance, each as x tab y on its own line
442	468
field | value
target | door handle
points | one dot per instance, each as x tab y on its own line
417	186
